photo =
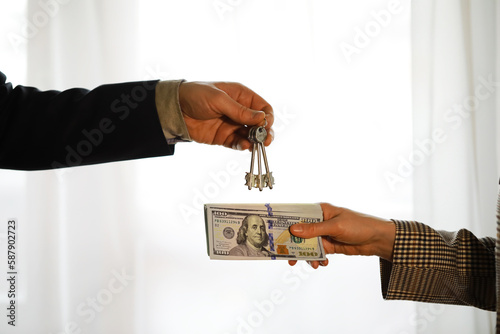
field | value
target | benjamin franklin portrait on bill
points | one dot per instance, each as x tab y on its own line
251	239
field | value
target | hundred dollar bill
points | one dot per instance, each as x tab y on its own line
260	232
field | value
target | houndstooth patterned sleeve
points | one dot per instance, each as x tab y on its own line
440	267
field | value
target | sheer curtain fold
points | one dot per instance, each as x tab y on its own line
80	218
455	114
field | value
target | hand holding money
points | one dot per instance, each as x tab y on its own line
349	232
261	232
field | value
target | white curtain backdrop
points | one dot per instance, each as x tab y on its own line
77	229
120	247
455	129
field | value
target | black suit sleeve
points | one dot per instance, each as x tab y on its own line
52	129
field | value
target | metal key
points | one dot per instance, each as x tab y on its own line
257	135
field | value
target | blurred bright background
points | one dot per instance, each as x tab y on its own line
338	75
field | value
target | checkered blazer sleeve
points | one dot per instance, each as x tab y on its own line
440	267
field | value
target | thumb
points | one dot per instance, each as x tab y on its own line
312	230
240	113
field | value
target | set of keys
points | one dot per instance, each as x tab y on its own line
257	135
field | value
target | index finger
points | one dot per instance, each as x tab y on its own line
330	211
247	97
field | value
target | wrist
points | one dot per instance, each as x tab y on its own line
387	235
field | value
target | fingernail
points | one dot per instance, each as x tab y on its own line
256	114
296	229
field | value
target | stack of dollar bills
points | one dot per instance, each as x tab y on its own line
261	232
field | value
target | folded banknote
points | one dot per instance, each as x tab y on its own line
261	232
